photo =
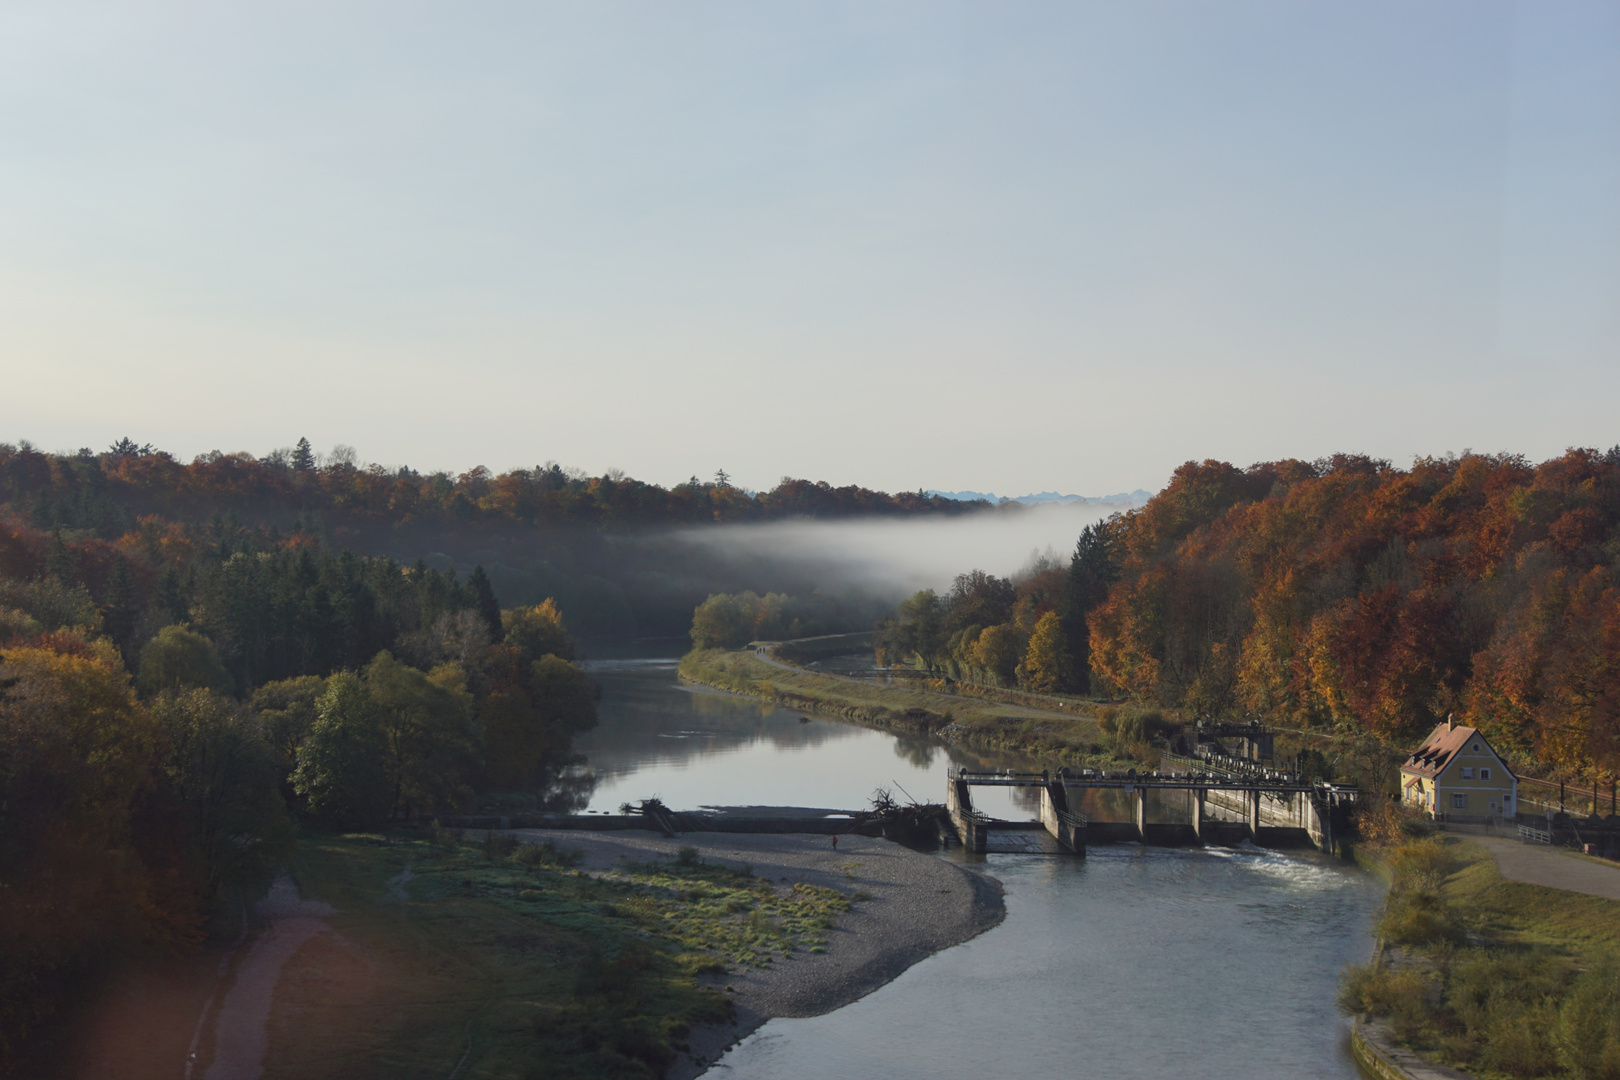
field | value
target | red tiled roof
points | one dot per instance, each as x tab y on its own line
1442	745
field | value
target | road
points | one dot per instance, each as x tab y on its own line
1537	864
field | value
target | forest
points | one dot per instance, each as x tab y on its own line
199	659
609	549
1340	594
177	698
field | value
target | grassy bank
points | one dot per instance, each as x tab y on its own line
504	958
1498	977
979	722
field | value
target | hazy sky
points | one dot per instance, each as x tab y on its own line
1008	247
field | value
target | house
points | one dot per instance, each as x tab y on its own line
1456	776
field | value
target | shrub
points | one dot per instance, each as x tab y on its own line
534	856
1518	1040
1420	863
444	840
1380	991
1587	1032
1419	918
688	856
498	845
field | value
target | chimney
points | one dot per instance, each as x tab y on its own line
1451	722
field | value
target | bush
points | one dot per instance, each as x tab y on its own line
1419	918
547	853
688	856
1587	1032
1420	864
444	840
1402	995
498	845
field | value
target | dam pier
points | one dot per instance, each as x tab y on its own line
1264	806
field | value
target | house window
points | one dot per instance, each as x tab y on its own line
1476	748
1459	802
1484	774
1468	774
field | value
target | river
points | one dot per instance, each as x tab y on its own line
1131	963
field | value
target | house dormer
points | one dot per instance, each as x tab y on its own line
1457	776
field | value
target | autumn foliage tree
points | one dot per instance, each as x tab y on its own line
1346	593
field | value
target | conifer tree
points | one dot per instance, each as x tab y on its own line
303	458
489	609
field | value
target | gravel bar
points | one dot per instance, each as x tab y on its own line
918	904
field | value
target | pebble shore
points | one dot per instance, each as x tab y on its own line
916	905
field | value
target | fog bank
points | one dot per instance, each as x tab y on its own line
887	556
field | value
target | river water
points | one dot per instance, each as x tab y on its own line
1129	964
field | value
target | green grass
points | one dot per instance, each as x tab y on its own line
1501	978
528	967
1513	912
979	722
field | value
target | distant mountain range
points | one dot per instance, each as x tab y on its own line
1124	498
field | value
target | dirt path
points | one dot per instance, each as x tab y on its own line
1536	864
241	1030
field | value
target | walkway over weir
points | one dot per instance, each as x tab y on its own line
1278	809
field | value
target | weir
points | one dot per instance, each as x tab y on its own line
1277	809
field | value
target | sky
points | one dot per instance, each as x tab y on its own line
1005	247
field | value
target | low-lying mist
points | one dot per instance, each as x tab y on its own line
896	558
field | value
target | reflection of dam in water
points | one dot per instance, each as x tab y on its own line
1263	806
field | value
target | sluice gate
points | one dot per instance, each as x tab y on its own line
1276	809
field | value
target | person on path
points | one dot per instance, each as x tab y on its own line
835	841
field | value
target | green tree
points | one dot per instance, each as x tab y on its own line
484	602
226	775
537	631
60	562
119	607
303	457
179	657
530	715
723	621
431	748
1093	568
287	711
340	770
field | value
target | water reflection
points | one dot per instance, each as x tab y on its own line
695	747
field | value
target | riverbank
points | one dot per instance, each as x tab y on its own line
1060	737
905	906
1479	972
584	955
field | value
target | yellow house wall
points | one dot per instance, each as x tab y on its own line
1435	794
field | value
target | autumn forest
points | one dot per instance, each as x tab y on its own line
198	659
1341	594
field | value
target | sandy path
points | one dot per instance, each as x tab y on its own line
917	905
1536	864
241	1030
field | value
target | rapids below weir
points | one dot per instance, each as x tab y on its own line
1132	963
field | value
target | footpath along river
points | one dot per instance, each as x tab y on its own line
1133	963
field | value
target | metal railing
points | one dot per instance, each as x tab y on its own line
1532	835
